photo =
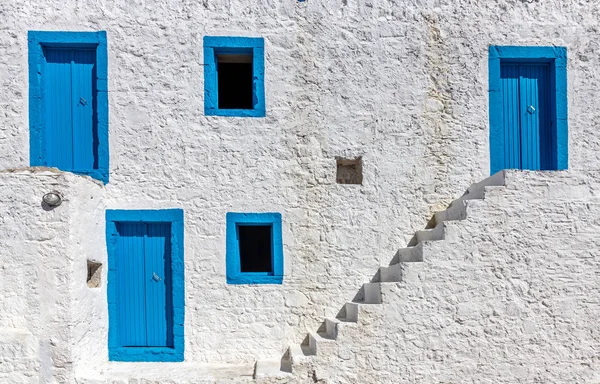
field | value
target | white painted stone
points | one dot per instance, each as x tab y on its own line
403	86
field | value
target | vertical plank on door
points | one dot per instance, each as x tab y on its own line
58	108
536	129
131	284
509	76
158	292
82	102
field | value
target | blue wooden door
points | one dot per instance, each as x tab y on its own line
69	100
144	290
526	116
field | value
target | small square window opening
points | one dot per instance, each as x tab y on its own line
234	77
255	248
349	171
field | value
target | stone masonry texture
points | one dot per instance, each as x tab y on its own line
511	296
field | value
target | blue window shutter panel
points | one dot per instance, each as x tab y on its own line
511	116
131	284
159	305
83	96
58	109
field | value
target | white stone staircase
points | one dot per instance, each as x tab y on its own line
299	361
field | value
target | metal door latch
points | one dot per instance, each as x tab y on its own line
83	101
531	109
155	277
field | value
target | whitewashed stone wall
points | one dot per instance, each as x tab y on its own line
46	307
510	296
403	85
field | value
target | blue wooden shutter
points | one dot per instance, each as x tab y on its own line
536	132
144	284
131	284
69	91
159	306
526	112
509	75
58	108
82	94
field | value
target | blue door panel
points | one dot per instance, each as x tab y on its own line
131	284
143	255
510	103
159	313
83	68
526	114
58	113
69	94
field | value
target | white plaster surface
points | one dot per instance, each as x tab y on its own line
511	295
403	85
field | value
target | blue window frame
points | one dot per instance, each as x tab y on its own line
68	102
528	108
214	46
145	285
235	273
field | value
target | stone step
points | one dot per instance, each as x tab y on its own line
434	234
393	273
411	254
355	311
372	293
334	325
319	343
271	369
457	210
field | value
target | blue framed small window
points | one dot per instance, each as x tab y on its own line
145	285
254	248
68	102
234	76
528	108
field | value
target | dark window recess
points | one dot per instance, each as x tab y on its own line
349	171
255	248
234	74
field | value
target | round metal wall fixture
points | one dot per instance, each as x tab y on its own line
53	199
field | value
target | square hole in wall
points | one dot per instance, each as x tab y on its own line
94	274
349	171
234	78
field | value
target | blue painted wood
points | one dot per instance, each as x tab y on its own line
509	75
58	111
528	133
69	92
42	105
162	237
159	309
131	284
545	83
83	99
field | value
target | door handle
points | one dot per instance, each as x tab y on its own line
531	109
155	277
83	101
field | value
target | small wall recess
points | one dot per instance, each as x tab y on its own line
349	171
94	274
